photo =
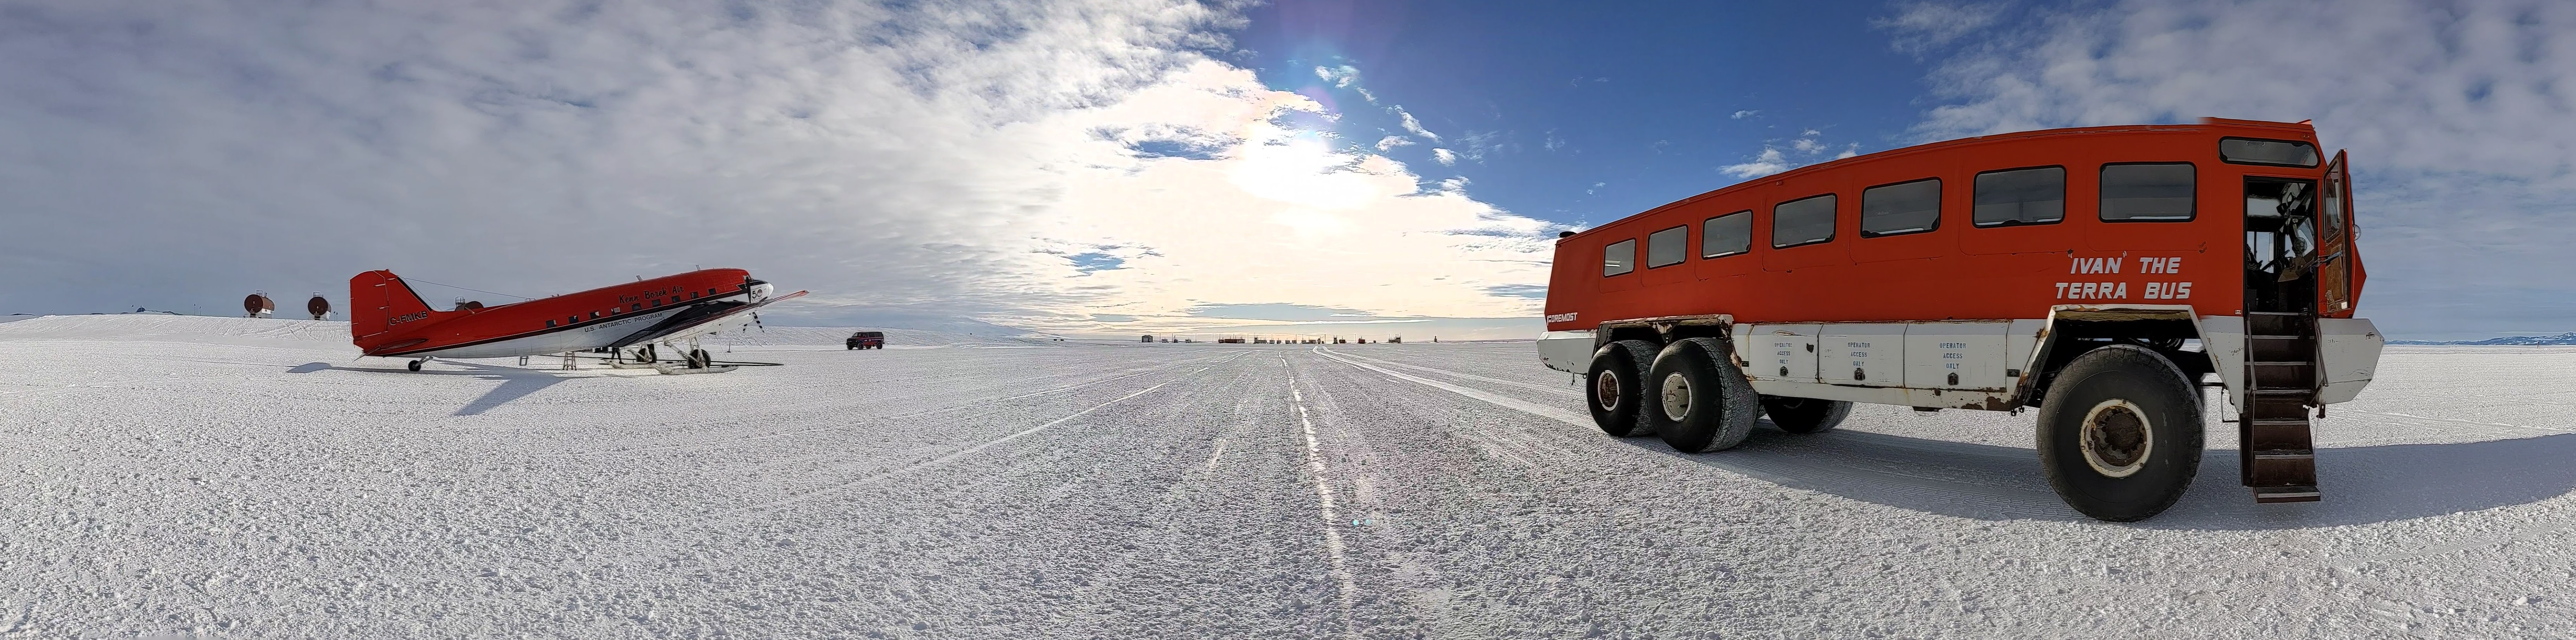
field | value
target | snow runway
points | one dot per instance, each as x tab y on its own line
238	478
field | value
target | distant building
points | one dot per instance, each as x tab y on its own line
1148	338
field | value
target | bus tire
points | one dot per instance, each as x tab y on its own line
1805	415
2120	433
1615	387
1697	398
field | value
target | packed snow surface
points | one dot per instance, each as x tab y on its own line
252	478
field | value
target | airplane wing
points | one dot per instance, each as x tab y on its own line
705	318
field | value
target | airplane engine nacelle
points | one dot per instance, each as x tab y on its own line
761	291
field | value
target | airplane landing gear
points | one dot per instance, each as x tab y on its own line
644	354
698	359
415	364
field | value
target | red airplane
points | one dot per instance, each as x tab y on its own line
388	319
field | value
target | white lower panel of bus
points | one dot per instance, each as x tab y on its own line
1567	351
1998	400
1963	364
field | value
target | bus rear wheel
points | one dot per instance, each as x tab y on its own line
2120	433
1698	399
1805	415
1615	387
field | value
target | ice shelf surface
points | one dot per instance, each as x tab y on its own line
210	477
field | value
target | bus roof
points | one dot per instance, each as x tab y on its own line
2299	130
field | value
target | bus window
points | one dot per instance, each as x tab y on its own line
1726	235
2272	152
2021	196
1667	247
1802	221
1620	257
1902	208
2147	192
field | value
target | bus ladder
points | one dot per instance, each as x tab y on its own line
2274	446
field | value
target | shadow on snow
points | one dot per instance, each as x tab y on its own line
2362	485
516	383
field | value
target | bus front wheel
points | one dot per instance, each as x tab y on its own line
2120	433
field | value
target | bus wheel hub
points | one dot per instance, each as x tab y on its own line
2117	438
1677	396
1605	390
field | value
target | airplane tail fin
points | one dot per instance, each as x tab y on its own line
380	301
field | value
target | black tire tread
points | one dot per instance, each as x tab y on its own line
1737	407
1635	419
1805	415
2156	385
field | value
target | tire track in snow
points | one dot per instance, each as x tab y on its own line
1534	387
963	453
971	404
1324	497
1514	445
1845	473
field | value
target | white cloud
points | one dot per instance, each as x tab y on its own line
1340	76
1479	143
899	161
1739	115
1919	27
2456	115
1771	161
1445	156
1805	149
1391	142
1414	126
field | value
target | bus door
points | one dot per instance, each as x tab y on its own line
2280	245
2334	243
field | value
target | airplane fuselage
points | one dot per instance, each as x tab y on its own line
388	319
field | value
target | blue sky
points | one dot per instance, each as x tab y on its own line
1638	98
1109	167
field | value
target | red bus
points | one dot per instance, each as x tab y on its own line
2101	275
